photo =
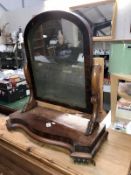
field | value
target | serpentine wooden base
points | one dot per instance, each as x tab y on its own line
62	129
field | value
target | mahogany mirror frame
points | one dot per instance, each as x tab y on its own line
83	136
87	51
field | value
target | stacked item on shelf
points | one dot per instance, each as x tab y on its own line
124	103
123	116
123	110
13	85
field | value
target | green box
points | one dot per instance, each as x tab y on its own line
120	58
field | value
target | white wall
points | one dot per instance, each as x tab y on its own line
70	32
11	5
19	17
123	20
1	12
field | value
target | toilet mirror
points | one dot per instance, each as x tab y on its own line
101	17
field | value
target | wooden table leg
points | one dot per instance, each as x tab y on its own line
114	90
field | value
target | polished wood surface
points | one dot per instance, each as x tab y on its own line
32	102
38	158
61	129
50	125
78	132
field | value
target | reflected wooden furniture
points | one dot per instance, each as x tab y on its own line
66	101
114	91
19	154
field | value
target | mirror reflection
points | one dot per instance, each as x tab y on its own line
99	16
57	62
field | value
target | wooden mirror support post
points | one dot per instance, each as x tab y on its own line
65	105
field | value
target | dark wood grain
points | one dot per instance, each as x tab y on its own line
6	110
58	128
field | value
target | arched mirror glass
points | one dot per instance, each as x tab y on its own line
57	61
100	15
